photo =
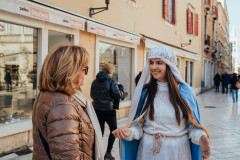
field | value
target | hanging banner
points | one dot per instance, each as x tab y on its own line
42	13
102	30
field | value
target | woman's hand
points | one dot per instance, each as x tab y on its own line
122	132
205	146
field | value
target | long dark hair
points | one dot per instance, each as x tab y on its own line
174	96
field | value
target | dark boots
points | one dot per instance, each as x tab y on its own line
108	156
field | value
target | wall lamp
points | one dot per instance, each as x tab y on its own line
92	10
186	44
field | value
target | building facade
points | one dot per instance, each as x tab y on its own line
235	52
209	65
223	38
216	56
122	35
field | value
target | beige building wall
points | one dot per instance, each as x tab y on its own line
146	19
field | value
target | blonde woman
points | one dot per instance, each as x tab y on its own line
65	125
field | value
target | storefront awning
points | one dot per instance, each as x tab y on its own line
181	53
103	30
43	13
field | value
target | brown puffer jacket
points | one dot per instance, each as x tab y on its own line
64	125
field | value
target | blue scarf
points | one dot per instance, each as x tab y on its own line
129	148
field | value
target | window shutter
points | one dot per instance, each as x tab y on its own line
174	12
163	6
216	11
196	25
209	2
166	9
191	22
188	21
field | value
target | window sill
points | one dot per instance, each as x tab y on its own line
125	104
16	127
169	24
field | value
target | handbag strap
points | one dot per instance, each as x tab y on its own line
45	144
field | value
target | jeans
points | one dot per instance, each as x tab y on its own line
233	97
9	86
217	88
108	116
225	88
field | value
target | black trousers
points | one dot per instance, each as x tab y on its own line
108	116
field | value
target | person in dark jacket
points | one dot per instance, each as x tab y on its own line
138	77
104	91
234	89
217	80
117	101
225	81
8	80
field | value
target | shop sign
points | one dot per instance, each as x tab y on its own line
111	33
42	13
2	27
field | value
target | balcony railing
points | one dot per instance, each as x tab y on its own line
214	12
207	4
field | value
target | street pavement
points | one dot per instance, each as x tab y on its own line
219	115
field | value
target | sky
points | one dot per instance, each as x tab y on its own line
233	7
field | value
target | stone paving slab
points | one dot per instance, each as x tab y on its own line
222	123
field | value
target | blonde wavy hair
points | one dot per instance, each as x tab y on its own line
60	67
108	67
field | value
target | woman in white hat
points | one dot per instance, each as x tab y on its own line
170	129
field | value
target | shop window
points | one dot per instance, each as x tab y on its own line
178	63
169	11
191	74
57	38
18	72
147	54
186	72
121	57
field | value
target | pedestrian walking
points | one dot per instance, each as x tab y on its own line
165	115
104	91
217	81
234	87
65	125
225	81
8	80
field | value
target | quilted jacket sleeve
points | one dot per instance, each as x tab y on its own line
63	132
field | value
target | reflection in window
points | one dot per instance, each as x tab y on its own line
121	58
186	71
147	54
18	72
178	64
191	73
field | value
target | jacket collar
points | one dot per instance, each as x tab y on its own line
78	96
